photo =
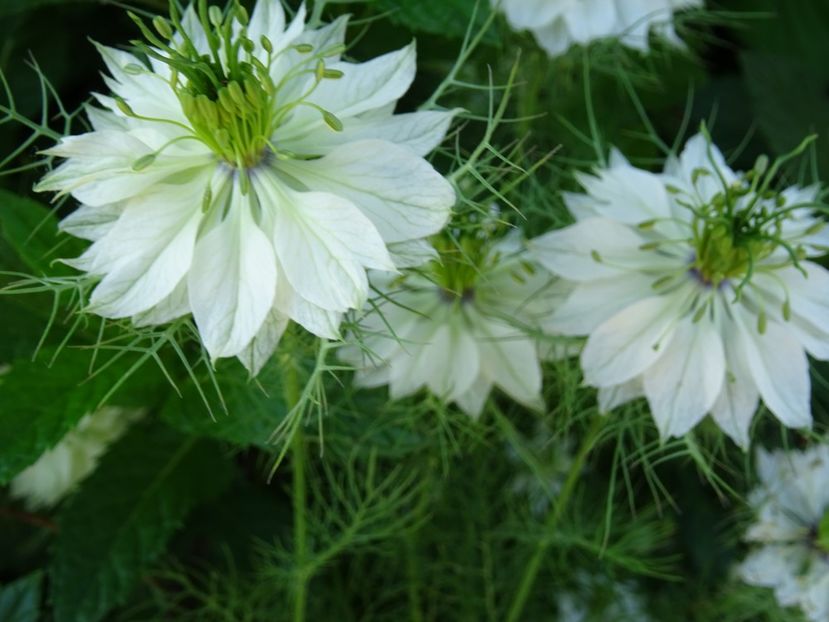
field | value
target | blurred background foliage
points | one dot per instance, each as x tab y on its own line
414	511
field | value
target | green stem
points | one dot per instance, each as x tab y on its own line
291	394
553	518
414	579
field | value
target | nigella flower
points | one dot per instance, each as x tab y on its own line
467	322
596	597
539	479
695	289
248	176
559	24
791	532
59	470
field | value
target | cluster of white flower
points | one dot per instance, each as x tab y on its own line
791	534
595	597
559	24
251	176
59	470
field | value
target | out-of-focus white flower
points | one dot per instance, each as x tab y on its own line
559	24
695	290
541	474
468	322
597	599
60	469
792	529
249	176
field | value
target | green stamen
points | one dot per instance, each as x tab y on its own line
228	96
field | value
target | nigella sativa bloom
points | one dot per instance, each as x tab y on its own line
250	176
695	289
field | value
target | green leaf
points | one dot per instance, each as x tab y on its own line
449	18
40	404
254	408
124	514
790	101
31	230
20	601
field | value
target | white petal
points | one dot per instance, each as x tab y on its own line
92	223
630	342
510	359
362	87
700	161
233	281
685	381
779	367
815	598
591	249
472	402
101	120
147	252
593	302
316	320
147	93
409	369
776	567
735	407
809	297
524	14
324	244
412	253
267	19
264	343
401	193
99	170
629	195
419	131
613	397
174	306
451	361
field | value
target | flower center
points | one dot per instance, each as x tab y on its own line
739	227
459	267
230	96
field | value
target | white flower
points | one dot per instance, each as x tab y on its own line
792	529
694	289
249	177
559	24
542	472
459	328
60	469
598	598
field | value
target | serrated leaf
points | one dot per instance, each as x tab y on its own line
20	600
40	404
254	408
123	515
31	230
